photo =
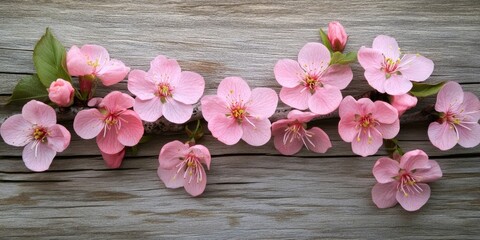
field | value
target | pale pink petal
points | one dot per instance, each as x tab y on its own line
320	142
469	138
415	67
233	89
225	129
366	106
88	123
94	102
177	112
164	69
257	134
376	79
296	97
171	153
188	88
413	160
170	177
288	73
338	76
385	170
131	128
39	113
428	174
384	112
202	153
213	106
149	110
389	131
348	107
442	135
314	58
279	126
370	58
108	142
140	85
113	160
303	117
290	147
113	72
325	100
193	187
58	137
263	103
414	200
471	106
366	146
117	101
388	46
450	97
95	54
384	195
38	157
397	85
403	102
77	63
16	131
347	128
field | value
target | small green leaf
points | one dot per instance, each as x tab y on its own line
325	40
49	57
340	58
350	57
29	88
425	90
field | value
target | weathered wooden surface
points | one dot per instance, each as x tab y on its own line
251	192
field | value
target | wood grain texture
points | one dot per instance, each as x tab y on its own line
252	192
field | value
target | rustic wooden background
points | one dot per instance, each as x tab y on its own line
252	192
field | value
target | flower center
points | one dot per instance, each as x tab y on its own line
297	130
40	134
112	119
93	63
407	183
366	124
311	83
390	66
191	164
237	111
164	90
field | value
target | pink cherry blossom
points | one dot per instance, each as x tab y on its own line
403	102
337	36
311	83
289	135
61	93
94	60
165	91
405	181
458	121
387	72
365	124
114	125
36	129
237	113
181	165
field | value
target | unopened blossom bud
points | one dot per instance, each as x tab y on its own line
61	93
337	36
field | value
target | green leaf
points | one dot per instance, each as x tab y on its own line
49	58
340	58
325	40
29	88
425	90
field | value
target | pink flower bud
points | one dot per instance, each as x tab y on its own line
61	93
403	102
337	36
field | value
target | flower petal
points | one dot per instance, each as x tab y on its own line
290	147
376	79
303	117
177	112
113	72
131	128
388	46
389	131
188	88
428	174
113	160
338	76
148	110
296	97
38	157
140	85
77	63
170	177
233	89
365	145
96	54
263	103
108	142
225	129
319	142
347	128
325	100
39	113
384	112
348	107
450	97
88	123
384	194
314	58
117	101
397	85
288	73
469	138
370	58
471	106
58	137
163	69
415	67
256	132
171	153
385	170
193	187
442	135
213	106
413	160
202	153
16	131
414	200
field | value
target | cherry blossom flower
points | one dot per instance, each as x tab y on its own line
403	102
365	124
36	129
337	36
94	61
165	90
311	82
405	181
114	125
458	122
386	72
181	165
237	113
61	93
289	135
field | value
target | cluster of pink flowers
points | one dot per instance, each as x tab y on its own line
311	85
